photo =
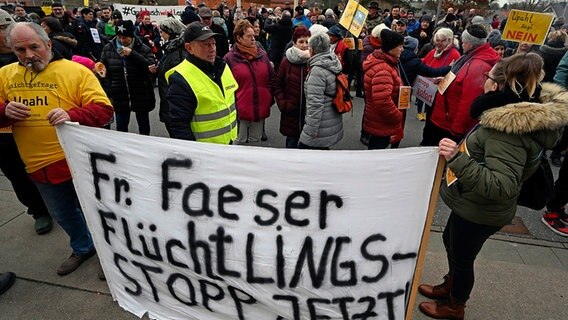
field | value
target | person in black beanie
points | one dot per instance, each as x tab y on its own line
382	119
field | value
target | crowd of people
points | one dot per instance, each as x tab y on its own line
218	72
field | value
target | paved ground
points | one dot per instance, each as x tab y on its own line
519	276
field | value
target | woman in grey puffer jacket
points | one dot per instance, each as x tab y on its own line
323	126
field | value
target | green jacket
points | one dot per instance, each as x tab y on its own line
503	152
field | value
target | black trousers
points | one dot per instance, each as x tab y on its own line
560	189
14	169
463	240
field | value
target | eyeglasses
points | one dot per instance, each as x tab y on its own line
486	74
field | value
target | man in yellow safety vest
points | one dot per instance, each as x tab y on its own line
201	91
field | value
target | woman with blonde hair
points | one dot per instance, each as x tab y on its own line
520	118
253	72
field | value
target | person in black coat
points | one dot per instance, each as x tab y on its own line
206	16
174	53
424	32
128	82
87	45
552	52
280	35
62	42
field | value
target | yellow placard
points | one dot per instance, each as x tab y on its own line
86	3
404	97
353	18
527	26
348	14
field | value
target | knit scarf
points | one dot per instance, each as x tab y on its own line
438	54
248	52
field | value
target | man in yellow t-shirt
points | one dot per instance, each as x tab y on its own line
41	91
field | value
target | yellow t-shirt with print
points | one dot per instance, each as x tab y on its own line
62	84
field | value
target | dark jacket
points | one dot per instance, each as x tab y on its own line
86	45
174	53
413	67
128	81
222	42
503	152
182	100
289	93
423	40
551	53
280	35
329	22
64	43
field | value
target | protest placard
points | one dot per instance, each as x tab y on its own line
157	13
527	26
353	17
188	230
425	89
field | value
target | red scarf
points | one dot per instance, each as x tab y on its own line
248	52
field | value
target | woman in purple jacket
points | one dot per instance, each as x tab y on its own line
253	72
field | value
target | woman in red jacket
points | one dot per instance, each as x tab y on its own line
251	68
382	82
289	87
443	54
450	113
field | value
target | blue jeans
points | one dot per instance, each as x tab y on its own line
142	117
63	205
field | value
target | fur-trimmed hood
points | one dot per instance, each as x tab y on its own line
67	39
551	113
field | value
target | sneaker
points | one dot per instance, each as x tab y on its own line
73	262
556	214
43	224
556	226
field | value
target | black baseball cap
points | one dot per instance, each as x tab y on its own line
197	31
402	21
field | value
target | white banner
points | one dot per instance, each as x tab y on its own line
157	13
425	89
188	230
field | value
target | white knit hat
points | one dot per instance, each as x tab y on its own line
317	28
376	32
5	18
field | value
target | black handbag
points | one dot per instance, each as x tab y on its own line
538	189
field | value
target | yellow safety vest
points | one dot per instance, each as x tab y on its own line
215	118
